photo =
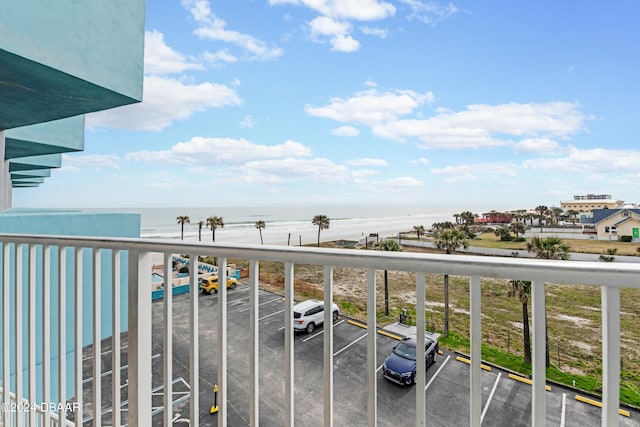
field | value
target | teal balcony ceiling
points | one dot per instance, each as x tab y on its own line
58	136
39	173
49	161
63	58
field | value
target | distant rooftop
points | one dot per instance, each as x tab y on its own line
593	197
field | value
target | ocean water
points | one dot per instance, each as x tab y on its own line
288	225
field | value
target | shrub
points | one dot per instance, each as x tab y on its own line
626	238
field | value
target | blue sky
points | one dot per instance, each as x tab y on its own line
368	102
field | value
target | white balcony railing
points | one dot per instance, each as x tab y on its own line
33	266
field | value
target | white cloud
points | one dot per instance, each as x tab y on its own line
160	59
597	160
165	100
377	32
360	10
473	171
248	121
72	162
214	28
486	125
325	26
345	131
221	55
372	107
367	162
404	183
201	151
421	161
430	12
283	171
536	145
343	43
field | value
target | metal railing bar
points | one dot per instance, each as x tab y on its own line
538	309
254	351
476	351
194	350
62	329
328	345
32	331
288	345
168	339
46	330
610	356
421	370
222	341
78	331
140	348
115	336
97	337
6	330
372	398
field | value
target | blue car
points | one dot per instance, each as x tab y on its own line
400	366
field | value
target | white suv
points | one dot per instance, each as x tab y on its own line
309	314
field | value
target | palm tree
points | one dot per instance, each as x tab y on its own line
419	229
522	289
517	228
214	222
573	215
322	221
391	246
548	248
449	240
182	219
551	247
503	233
260	225
468	217
200	225
542	212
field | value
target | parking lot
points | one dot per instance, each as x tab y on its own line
505	401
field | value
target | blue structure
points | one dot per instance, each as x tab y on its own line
61	59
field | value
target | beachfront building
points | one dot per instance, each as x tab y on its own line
612	224
59	60
586	204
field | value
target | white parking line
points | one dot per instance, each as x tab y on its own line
266	302
493	390
564	409
272	314
348	345
320	333
437	372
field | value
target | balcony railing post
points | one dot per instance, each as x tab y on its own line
115	338
288	344
372	362
167	355
421	370
610	355
222	341
254	351
139	391
538	407
328	346
6	331
194	337
97	339
476	352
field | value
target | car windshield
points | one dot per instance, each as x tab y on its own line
406	351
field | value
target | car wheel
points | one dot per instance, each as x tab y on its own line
311	327
233	285
335	316
414	380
